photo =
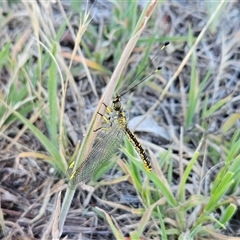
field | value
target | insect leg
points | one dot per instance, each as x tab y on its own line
105	118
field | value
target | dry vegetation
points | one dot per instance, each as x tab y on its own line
191	110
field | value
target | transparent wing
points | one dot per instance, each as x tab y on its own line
107	142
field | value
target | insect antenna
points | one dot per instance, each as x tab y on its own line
126	90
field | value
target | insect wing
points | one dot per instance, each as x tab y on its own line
106	144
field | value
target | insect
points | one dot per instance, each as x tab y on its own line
109	137
118	118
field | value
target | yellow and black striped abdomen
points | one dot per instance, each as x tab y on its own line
146	163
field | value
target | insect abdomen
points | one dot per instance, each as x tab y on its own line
140	150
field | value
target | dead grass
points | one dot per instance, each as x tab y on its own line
29	186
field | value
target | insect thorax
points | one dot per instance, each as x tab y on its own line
118	113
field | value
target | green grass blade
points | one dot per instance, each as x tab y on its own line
52	150
228	214
152	176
